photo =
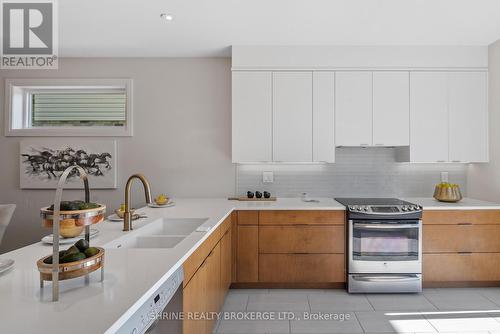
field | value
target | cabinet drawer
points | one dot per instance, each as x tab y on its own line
248	217
301	268
453	217
301	239
461	238
461	267
292	217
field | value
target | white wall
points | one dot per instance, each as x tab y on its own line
181	142
484	179
342	57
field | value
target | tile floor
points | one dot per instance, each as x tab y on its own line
475	310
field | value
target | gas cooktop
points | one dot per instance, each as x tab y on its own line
364	207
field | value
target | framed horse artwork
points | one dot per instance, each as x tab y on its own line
43	161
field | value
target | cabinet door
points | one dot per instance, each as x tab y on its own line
252	116
353	109
214	301
292	99
225	263
323	117
248	254
428	117
468	117
195	301
391	108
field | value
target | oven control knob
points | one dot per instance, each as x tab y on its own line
365	208
351	208
404	208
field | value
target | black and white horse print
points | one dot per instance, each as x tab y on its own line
52	163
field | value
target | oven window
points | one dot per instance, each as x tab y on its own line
385	242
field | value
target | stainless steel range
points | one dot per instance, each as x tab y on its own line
384	245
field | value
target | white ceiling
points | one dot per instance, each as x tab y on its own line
128	28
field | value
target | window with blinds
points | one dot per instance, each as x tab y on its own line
70	107
67	107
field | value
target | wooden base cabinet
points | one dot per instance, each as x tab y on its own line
196	302
290	248
225	263
247	247
248	254
461	248
206	283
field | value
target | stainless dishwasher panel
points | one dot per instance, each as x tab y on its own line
385	283
155	313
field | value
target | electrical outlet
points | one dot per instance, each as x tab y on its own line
267	177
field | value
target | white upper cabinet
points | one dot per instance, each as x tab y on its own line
468	108
252	115
301	116
391	108
429	117
292	122
449	117
353	109
323	116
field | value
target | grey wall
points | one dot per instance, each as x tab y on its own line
484	179
181	142
356	172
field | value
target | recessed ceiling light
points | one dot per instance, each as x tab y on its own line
167	17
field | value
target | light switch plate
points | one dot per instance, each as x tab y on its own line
267	177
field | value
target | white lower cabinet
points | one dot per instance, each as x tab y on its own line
448	117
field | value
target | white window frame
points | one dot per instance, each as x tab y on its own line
17	108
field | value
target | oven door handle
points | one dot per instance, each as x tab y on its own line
385	226
407	278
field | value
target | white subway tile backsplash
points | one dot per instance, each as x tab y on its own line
356	172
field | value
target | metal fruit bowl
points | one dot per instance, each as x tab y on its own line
71	269
75	217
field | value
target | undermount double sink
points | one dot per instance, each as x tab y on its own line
161	233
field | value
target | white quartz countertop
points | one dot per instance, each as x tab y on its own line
429	203
131	275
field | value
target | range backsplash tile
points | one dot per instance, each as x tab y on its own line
356	172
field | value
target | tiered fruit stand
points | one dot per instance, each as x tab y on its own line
56	271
